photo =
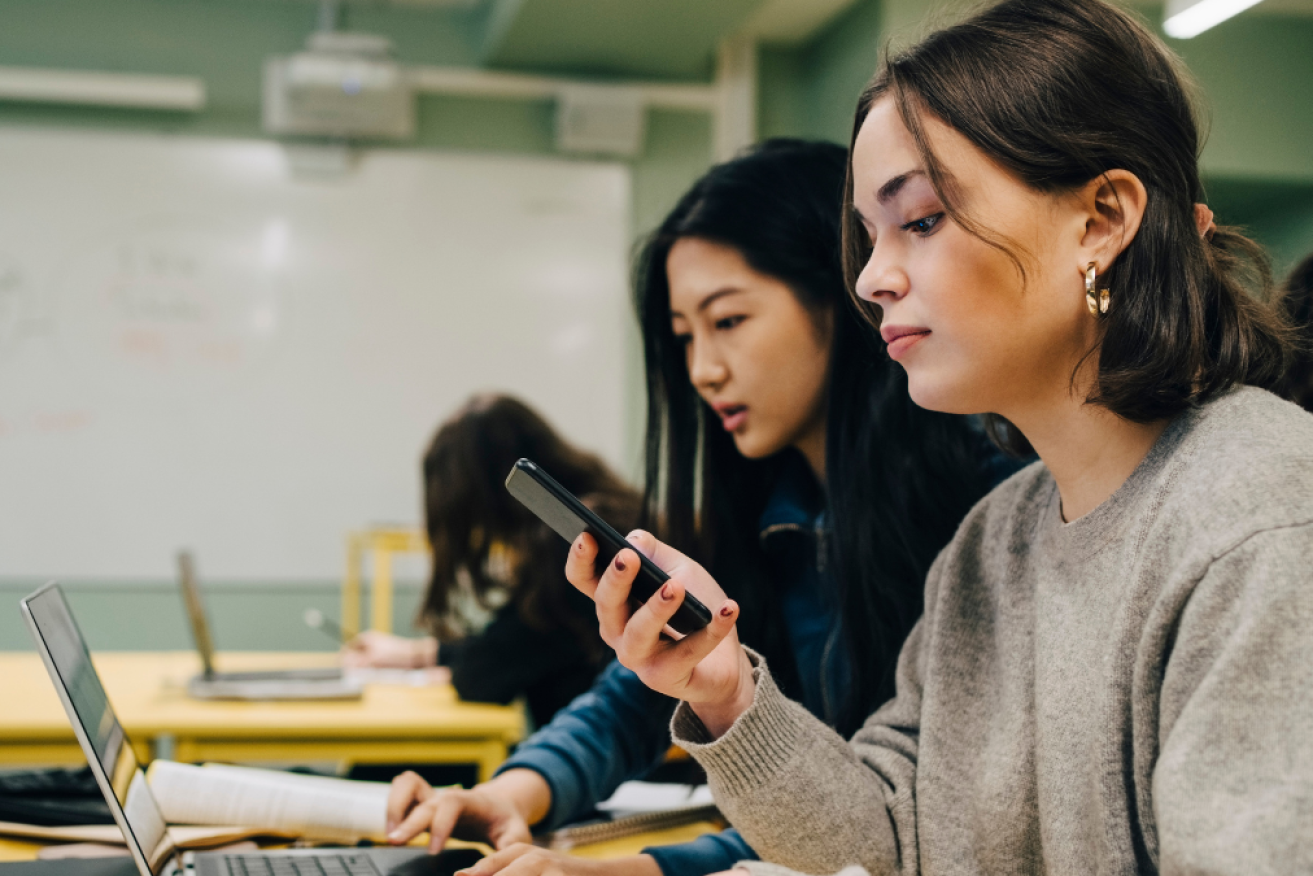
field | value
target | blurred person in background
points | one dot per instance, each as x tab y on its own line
492	556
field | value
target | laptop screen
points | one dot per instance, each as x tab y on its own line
101	736
191	600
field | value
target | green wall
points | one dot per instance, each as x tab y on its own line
812	91
244	616
1253	75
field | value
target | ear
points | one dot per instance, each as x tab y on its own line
1114	204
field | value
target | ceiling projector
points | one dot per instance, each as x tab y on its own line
344	85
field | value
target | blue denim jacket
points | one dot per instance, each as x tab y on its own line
620	729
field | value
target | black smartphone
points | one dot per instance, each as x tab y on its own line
558	508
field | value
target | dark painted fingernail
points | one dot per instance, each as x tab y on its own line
619	564
667	592
726	610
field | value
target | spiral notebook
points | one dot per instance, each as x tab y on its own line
637	807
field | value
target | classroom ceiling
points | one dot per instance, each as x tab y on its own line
1265	7
659	39
666	39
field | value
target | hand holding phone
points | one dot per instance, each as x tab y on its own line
568	517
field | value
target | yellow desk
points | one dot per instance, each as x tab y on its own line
392	724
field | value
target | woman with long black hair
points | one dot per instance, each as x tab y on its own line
783	451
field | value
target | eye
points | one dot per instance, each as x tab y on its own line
925	226
726	323
682	340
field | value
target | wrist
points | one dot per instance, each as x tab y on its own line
720	715
525	790
424	653
637	865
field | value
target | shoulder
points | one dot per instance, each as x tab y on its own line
1240	465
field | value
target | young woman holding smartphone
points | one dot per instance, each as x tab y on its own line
782	449
1113	670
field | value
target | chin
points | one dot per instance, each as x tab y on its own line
934	393
752	447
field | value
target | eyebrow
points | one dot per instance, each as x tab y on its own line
893	186
714	296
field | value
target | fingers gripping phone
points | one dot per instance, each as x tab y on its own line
558	508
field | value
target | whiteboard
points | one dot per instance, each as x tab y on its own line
201	347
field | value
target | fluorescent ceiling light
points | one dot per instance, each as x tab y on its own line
1189	18
141	91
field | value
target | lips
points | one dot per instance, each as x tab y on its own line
732	416
901	338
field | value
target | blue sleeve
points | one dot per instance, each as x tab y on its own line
615	732
710	853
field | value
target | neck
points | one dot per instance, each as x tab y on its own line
1089	450
812	448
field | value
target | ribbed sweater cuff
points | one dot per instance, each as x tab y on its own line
761	741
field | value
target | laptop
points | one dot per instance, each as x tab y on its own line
124	785
282	684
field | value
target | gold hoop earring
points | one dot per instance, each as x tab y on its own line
1096	300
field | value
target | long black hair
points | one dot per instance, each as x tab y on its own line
899	479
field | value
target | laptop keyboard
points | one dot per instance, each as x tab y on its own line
301	865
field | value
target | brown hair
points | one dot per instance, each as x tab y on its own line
489	545
1297	383
1059	92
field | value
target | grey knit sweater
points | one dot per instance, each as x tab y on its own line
1128	693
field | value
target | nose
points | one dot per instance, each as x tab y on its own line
883	279
706	369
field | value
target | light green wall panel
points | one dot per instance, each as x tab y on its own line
474	125
244	616
782	109
812	91
1255	73
1289	237
677	152
840	63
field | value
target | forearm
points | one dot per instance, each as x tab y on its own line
526	790
797	791
634	865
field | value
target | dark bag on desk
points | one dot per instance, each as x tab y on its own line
52	797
